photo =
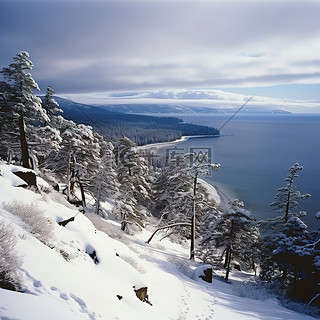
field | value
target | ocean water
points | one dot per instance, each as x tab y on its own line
255	154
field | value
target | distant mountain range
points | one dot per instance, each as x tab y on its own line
183	109
189	101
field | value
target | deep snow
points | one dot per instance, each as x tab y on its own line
61	281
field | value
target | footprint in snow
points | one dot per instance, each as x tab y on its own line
37	283
78	300
83	306
64	296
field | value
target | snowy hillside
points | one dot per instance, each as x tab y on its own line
78	272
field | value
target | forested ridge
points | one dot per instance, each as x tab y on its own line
141	129
79	162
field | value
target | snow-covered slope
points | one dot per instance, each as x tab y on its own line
62	278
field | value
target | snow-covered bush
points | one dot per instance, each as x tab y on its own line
113	231
252	290
36	222
300	307
132	216
258	291
133	262
183	266
9	259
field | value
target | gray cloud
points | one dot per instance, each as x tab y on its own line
94	46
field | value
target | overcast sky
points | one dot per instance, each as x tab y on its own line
85	47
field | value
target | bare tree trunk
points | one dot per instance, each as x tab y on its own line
68	176
193	223
82	194
229	251
167	227
98	198
98	204
193	220
226	258
23	142
228	261
286	216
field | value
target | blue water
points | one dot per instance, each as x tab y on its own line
255	155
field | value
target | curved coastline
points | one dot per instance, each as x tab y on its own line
224	200
160	145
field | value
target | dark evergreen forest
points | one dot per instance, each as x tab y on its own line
139	128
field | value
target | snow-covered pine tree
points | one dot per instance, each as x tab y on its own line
279	262
78	158
23	85
302	252
122	147
206	252
276	249
58	160
177	192
88	149
8	133
51	105
132	216
290	260
287	197
84	148
25	109
286	260
311	280
104	183
201	166
142	181
133	171
231	236
135	196
174	195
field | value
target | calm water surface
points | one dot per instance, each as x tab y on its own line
256	153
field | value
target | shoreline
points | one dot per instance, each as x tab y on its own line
257	197
159	145
224	199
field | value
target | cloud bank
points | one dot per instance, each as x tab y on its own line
100	46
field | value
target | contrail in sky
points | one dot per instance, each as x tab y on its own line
237	111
